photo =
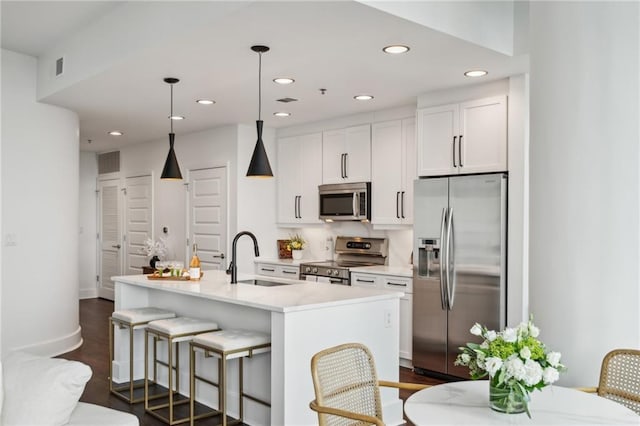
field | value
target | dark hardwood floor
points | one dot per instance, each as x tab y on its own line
94	314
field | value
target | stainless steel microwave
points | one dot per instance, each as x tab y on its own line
345	201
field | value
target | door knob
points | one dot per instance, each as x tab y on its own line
221	255
117	246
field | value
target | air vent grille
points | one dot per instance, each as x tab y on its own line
287	100
109	162
59	66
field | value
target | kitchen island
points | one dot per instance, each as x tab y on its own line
302	319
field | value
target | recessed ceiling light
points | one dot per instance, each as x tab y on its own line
205	102
282	114
394	49
176	117
283	80
363	97
116	133
476	73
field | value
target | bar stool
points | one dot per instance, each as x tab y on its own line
133	319
226	345
172	330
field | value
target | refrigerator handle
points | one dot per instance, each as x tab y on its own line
451	260
443	257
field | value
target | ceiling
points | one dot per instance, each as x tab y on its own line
335	46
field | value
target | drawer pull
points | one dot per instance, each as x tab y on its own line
267	270
397	284
365	281
290	272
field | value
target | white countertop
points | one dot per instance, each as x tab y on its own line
398	271
296	296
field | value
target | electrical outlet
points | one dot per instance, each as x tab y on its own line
387	318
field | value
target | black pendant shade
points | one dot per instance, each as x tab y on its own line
259	165
171	168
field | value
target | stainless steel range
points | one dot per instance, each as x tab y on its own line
350	252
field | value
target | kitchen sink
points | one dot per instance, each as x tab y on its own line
262	283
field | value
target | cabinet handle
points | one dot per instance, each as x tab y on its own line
402	204
454	151
460	151
289	272
342	165
295	207
299	211
267	270
398	204
346	169
397	284
360	280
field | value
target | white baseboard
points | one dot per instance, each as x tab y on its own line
88	293
55	347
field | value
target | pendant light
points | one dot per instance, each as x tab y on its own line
171	170
259	165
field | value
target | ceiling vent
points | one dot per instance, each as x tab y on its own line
287	100
59	66
109	162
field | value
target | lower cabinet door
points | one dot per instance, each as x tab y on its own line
406	326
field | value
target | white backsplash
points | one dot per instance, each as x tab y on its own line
400	241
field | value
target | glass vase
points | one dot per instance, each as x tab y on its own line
505	398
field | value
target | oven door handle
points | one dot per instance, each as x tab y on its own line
338	281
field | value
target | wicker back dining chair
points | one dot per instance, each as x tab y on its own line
347	387
620	377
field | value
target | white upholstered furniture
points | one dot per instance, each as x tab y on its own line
45	391
227	345
132	320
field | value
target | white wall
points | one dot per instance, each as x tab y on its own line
88	226
40	169
584	194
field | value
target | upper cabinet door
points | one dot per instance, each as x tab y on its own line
386	172
358	150
333	151
311	175
483	134
409	166
346	155
289	179
437	140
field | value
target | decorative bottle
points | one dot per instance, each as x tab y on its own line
194	265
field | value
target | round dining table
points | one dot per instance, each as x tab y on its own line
467	403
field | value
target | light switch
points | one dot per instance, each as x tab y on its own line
10	240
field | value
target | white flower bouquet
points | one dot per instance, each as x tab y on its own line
515	361
154	248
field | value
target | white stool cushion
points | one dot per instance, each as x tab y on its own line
95	415
230	340
181	325
139	315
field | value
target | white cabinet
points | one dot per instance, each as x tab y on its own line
299	173
398	283
346	155
470	137
393	169
278	270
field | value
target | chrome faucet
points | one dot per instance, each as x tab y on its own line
233	269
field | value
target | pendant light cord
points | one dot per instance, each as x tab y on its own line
259	85
171	110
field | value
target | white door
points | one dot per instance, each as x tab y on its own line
289	178
311	174
333	156
138	223
357	167
207	216
109	235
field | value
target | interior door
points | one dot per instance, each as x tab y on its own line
139	221
109	235
207	215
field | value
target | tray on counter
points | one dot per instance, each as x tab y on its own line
174	278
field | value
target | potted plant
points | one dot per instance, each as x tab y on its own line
296	245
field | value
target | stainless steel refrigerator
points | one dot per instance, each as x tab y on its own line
459	272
